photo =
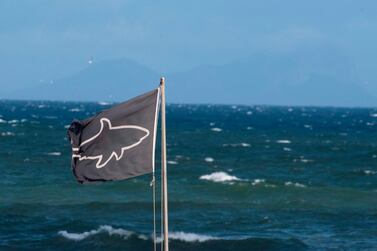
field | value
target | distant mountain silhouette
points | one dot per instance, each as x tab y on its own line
306	77
300	78
112	80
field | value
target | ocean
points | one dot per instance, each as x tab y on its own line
240	178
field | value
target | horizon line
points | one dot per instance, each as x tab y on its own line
199	103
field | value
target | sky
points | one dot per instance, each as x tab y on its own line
44	40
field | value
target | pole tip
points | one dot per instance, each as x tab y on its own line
162	81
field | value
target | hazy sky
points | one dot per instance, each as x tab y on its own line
42	40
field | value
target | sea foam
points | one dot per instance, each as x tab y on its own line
54	153
283	141
295	184
209	159
257	181
102	229
189	237
181	236
219	177
369	172
237	145
7	134
216	129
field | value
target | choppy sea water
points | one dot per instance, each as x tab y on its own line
240	178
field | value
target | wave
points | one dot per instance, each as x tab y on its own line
189	237
14	121
4	134
180	236
172	162
294	184
208	242
219	177
102	229
258	181
370	172
209	159
216	129
283	141
54	153
223	177
237	145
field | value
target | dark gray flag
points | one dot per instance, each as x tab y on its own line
118	143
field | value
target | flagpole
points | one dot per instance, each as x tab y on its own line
163	167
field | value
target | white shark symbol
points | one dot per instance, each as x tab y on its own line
106	124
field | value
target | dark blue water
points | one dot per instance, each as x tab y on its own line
240	178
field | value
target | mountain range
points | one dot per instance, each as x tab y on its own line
308	77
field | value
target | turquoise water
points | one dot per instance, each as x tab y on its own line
240	178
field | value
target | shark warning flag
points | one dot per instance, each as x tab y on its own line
118	143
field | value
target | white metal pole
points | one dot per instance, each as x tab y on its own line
164	179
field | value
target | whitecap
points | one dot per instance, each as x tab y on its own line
54	153
283	141
257	181
143	237
3	121
14	121
102	229
181	236
287	149
219	177
7	134
189	237
295	184
237	145
370	172
172	162
249	128
209	159
216	129
306	160
374	115
249	113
